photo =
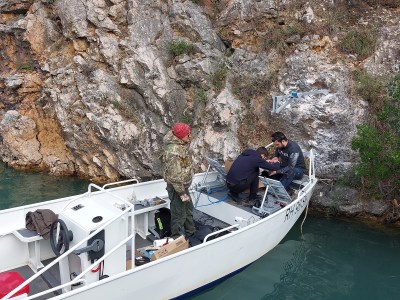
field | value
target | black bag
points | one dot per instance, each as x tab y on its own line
202	231
162	219
198	237
141	260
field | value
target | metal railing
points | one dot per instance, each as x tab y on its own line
65	254
120	182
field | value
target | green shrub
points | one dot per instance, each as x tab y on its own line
179	47
24	66
379	145
116	104
218	77
374	152
187	118
200	95
370	88
390	113
292	29
393	88
361	42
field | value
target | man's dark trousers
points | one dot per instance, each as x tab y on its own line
251	182
180	224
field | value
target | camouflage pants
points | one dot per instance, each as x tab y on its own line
181	215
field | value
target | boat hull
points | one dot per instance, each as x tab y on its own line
184	272
179	274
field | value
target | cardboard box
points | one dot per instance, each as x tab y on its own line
128	264
227	166
173	247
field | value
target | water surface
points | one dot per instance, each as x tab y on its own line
25	187
331	260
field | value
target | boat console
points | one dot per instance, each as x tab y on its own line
83	219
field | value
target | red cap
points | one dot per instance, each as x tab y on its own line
181	130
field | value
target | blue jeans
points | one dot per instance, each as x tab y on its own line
287	178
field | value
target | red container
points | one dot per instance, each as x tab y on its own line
9	281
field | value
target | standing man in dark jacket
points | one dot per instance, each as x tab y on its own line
290	156
244	172
178	173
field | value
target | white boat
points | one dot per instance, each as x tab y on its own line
106	218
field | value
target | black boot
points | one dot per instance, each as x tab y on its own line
235	197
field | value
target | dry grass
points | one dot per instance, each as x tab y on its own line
361	42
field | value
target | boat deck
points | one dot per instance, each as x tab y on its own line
273	201
51	278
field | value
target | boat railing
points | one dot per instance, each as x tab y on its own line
219	231
135	180
128	210
311	168
92	185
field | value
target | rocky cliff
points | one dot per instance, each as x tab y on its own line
90	87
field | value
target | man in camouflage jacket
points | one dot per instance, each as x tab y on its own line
178	173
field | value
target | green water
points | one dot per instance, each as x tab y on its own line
25	187
331	260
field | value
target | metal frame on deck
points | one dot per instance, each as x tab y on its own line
218	182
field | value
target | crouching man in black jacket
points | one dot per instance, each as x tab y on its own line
244	172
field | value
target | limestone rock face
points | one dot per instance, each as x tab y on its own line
322	121
21	134
91	87
15	6
386	59
220	132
